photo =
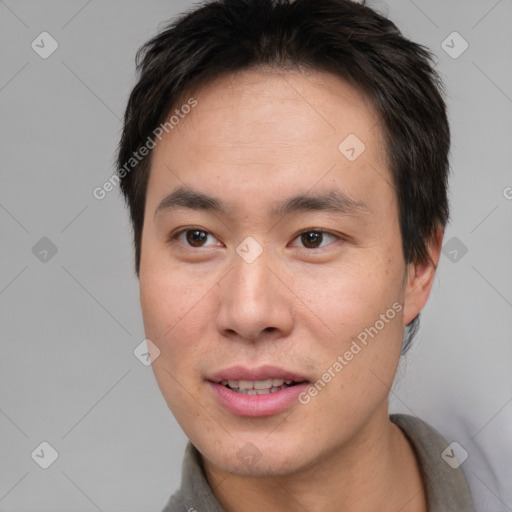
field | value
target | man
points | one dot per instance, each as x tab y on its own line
285	165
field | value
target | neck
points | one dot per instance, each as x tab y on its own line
376	470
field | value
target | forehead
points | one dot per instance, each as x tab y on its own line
262	132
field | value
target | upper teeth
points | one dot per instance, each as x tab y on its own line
255	384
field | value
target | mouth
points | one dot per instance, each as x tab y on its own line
264	391
258	387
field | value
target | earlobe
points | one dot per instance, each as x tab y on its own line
420	278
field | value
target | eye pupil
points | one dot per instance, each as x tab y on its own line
312	237
195	237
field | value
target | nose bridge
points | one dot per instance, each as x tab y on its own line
251	270
252	299
251	284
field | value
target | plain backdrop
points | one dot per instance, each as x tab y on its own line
70	318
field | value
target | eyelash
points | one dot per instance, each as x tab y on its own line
174	236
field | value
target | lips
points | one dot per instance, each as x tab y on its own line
256	392
262	373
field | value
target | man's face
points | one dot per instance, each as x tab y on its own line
254	291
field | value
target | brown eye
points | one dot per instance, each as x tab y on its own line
311	238
196	237
193	238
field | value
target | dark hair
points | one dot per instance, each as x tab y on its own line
345	38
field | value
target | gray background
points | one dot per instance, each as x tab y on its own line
70	324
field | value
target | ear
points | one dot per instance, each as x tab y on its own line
420	277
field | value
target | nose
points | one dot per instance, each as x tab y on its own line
254	301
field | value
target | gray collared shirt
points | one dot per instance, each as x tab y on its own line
446	488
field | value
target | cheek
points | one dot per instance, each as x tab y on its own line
172	314
353	296
167	305
361	306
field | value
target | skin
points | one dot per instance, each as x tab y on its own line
254	138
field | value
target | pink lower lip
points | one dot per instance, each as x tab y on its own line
257	405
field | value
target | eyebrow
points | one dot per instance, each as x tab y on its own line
334	201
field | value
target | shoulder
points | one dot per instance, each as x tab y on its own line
176	503
445	484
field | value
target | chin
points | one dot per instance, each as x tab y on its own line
274	466
256	455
